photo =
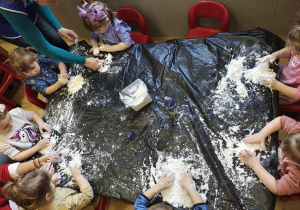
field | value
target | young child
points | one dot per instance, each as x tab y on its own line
42	72
289	173
100	20
17	133
289	74
36	191
9	172
164	182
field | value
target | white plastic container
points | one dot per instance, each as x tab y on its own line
139	91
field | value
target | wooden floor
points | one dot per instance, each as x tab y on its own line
17	94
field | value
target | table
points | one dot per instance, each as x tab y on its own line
93	122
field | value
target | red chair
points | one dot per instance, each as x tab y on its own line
32	97
295	108
210	9
102	203
130	15
7	75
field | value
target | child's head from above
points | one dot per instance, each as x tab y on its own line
32	191
290	146
96	16
24	61
160	206
6	122
293	39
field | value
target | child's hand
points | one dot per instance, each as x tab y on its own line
56	178
48	167
267	80
106	48
186	181
166	180
63	78
249	159
254	139
75	170
271	58
43	143
44	126
52	157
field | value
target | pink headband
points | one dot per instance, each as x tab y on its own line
94	13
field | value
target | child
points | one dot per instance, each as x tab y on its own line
36	191
100	20
289	74
164	182
42	72
9	172
289	173
17	133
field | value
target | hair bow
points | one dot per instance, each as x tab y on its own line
95	13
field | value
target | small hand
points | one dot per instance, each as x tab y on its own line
166	180
254	139
48	167
52	157
43	143
186	180
75	170
93	63
106	48
271	58
56	179
44	126
68	34
63	78
249	159
96	51
267	80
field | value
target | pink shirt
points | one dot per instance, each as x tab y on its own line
289	182
291	74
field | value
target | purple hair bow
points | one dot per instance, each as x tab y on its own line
95	13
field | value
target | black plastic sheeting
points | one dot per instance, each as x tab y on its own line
95	122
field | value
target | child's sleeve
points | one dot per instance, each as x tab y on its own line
288	184
289	125
80	200
24	113
95	36
8	150
297	97
200	206
141	202
37	86
123	32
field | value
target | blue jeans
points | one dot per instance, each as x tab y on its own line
49	33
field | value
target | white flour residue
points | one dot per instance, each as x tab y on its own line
106	64
254	74
75	83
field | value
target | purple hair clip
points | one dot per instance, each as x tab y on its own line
95	13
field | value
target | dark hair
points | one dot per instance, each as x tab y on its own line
29	192
290	146
94	25
22	58
160	206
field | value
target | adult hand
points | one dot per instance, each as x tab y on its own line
68	34
271	58
46	2
267	80
44	126
93	63
42	143
48	167
63	78
249	159
186	181
254	139
166	180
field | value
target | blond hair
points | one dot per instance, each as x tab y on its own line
294	34
160	206
22	58
29	192
290	146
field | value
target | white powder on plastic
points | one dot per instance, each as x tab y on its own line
107	63
75	83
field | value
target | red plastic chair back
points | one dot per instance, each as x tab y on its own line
294	108
131	15
207	9
102	203
32	97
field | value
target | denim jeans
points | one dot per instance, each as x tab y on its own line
49	33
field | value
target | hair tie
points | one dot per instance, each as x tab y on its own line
94	13
2	109
27	48
7	60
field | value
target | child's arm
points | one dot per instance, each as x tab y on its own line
29	152
42	125
283	53
79	178
114	48
62	80
254	162
187	184
260	137
164	182
62	68
95	45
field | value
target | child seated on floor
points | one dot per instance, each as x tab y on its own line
17	133
100	20
43	75
164	182
287	187
36	190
